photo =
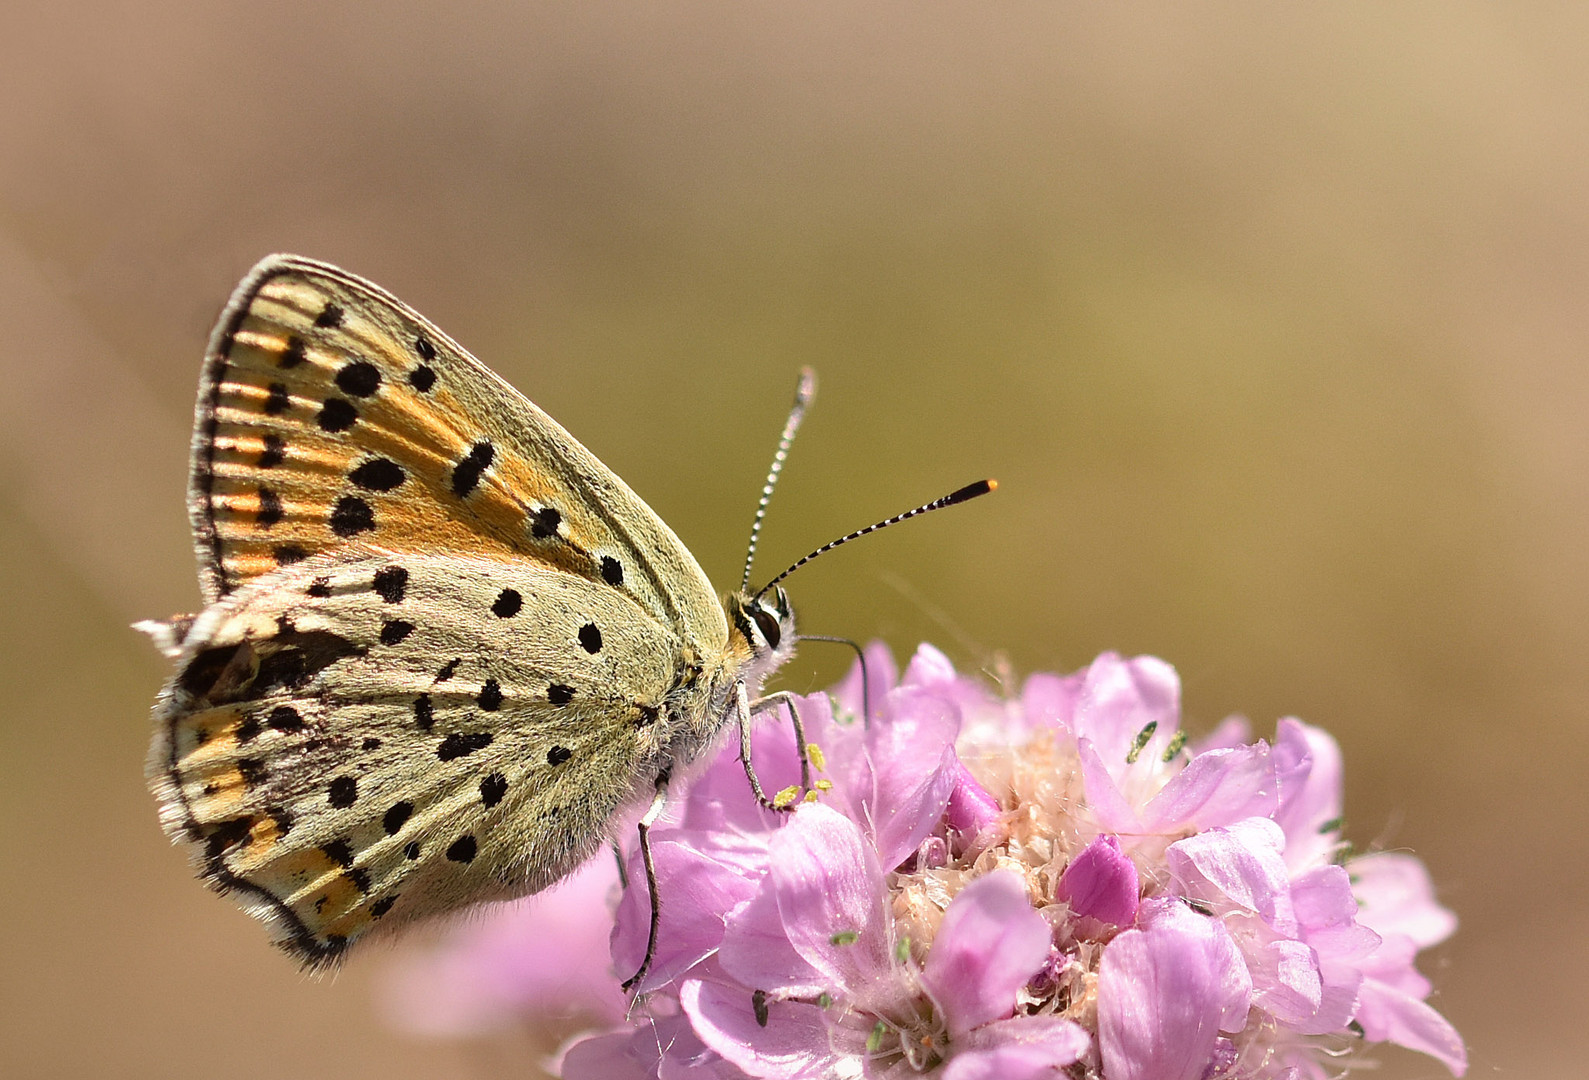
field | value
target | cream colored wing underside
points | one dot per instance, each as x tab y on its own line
366	738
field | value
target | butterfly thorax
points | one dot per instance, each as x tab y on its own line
761	637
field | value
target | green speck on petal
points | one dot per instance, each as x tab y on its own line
845	937
902	950
874	1041
1141	741
1177	744
824	999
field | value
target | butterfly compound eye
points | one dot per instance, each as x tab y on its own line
767	623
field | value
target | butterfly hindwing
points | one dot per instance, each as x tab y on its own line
365	726
330	414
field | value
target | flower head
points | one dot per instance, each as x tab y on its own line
991	886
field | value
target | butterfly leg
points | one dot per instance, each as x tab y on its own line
746	710
646	821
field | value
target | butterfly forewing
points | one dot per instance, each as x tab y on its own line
363	727
331	414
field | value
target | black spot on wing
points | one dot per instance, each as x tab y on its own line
424	348
337	414
272	453
330	316
545	522
343	793
382	906
558	694
490	697
466	474
319	588
411	850
359	379
493	788
293	354
391	583
270	511
507	604
395	817
590	638
422	378
558	754
611	570
378	474
424	713
339	852
462	850
287	554
276	399
394	631
460	744
351	516
449	669
285	718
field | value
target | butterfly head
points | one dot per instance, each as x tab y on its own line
766	623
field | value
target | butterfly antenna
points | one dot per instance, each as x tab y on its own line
970	491
805	390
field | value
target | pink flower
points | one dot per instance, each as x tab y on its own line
990	886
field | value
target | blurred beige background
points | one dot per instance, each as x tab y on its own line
1273	322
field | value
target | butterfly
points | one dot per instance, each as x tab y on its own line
443	647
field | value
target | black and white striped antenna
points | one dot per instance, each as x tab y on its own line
805	390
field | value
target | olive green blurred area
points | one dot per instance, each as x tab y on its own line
1272	323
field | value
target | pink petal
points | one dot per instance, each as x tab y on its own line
1109	807
1050	700
605	1057
756	949
1397	897
971	808
1239	865
696	888
830	896
1220	787
1286	981
1101	882
913	770
1388	1015
663	1048
1164	992
1309	769
929	667
1022	1048
1121	697
990	943
1392	965
791	1045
